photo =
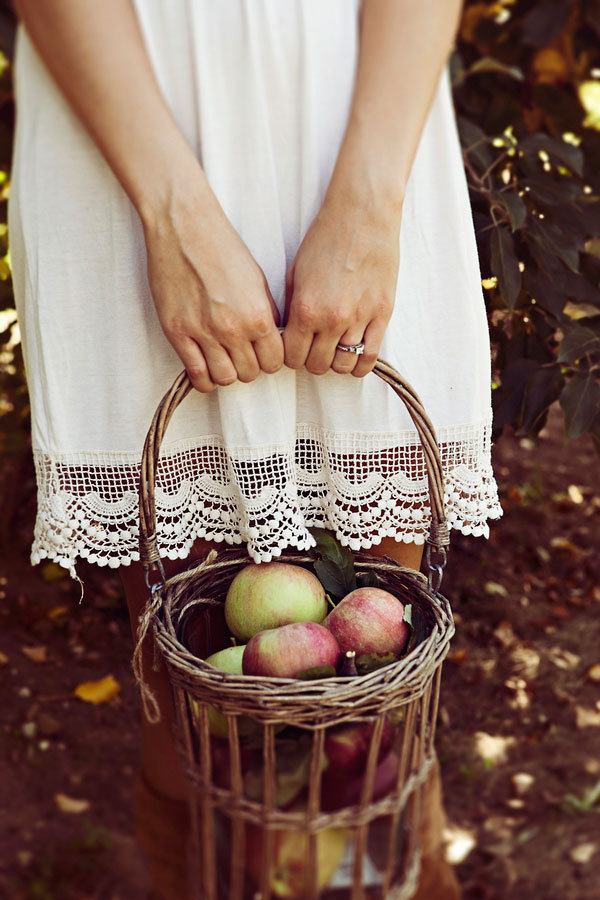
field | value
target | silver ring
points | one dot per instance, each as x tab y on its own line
352	348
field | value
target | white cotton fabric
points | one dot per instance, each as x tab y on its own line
261	89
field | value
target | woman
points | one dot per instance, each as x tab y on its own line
257	190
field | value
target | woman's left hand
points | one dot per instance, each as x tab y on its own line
341	288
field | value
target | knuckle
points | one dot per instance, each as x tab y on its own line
316	368
305	314
336	319
227	330
261	325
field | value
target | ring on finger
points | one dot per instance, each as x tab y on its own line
352	348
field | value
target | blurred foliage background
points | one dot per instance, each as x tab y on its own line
526	81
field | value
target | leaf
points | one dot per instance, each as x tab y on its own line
475	142
505	266
579	341
71	805
336	581
586	717
100	691
556	148
512	204
370	662
580	403
489	64
544	22
419	632
543	388
36	654
317	672
52	572
335	569
368	579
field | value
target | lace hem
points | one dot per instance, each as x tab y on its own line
363	487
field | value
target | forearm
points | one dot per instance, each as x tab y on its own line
96	54
404	45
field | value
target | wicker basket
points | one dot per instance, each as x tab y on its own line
263	820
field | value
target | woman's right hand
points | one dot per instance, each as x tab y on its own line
212	298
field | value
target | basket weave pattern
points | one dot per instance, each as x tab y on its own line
237	833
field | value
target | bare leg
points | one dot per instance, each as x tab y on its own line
161	812
437	880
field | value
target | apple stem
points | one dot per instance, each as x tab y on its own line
330	601
348	668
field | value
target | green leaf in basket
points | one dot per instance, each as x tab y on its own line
334	564
316	672
367	579
369	662
335	580
419	629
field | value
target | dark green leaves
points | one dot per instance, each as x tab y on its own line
580	402
505	266
577	342
316	672
334	565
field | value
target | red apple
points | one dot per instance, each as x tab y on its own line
267	595
337	793
290	650
347	747
369	621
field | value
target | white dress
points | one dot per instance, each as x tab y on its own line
261	89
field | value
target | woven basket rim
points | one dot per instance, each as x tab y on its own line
434	646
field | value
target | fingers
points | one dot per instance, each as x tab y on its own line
269	352
372	340
193	359
220	365
298	337
344	361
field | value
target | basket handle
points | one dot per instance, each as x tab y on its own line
437	540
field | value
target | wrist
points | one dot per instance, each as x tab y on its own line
366	178
181	186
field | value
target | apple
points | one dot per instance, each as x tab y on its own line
221	762
370	621
347	747
266	595
227	660
289	862
337	793
288	651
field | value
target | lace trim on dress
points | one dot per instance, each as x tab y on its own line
363	487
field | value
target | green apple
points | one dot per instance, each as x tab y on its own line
289	861
267	595
227	660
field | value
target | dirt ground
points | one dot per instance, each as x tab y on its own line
518	731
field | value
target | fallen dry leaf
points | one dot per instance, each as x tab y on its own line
593	672
458	657
71	804
586	717
4	660
100	691
58	612
583	852
51	572
565	546
494	589
36	654
563	659
504	634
